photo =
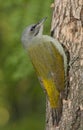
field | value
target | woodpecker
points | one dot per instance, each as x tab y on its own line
50	63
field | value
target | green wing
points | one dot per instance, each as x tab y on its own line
48	62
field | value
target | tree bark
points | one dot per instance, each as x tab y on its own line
67	28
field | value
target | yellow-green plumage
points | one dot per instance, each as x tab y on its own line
49	66
50	63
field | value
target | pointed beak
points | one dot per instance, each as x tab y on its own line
40	23
38	28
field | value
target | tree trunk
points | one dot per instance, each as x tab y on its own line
67	28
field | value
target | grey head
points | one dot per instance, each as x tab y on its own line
31	32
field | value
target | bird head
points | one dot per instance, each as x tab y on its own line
32	31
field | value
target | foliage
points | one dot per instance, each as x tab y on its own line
20	92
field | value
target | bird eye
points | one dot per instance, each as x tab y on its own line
33	27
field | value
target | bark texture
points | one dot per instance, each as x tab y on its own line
67	27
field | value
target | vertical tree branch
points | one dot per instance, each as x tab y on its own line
67	27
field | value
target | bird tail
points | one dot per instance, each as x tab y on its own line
57	113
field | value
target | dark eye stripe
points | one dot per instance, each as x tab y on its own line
33	27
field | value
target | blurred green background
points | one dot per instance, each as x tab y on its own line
22	101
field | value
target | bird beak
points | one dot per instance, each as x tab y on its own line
40	23
39	27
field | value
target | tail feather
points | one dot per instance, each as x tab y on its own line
57	113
